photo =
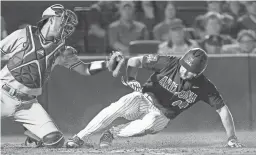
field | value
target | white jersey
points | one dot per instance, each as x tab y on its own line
32	59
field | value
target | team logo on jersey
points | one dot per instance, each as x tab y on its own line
151	57
41	52
195	87
189	61
189	96
168	84
171	86
25	45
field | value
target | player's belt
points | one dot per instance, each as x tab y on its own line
19	95
151	97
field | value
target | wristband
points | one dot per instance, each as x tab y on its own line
97	66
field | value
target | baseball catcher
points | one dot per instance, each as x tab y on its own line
33	52
175	86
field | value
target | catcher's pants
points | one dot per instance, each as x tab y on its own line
146	118
30	113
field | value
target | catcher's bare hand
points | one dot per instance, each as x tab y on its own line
234	143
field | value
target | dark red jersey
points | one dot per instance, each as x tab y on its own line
174	93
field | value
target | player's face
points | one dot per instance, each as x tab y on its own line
170	11
127	12
56	27
251	7
247	44
185	74
177	35
214	6
213	26
235	6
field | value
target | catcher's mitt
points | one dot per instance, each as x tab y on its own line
115	63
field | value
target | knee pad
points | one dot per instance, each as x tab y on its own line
54	140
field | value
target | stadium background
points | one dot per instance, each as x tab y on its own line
72	100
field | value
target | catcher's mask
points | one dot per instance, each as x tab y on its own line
69	19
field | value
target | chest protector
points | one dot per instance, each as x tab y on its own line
32	64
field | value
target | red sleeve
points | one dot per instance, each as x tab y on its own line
212	96
13	42
156	62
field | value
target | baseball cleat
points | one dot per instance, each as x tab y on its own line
106	139
29	141
74	142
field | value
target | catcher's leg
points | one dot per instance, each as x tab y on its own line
8	104
40	127
128	106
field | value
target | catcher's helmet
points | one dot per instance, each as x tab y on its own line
195	60
69	19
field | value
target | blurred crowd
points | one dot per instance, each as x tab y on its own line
226	27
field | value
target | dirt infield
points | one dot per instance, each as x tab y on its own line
159	144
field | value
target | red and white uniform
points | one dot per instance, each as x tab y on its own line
32	59
164	96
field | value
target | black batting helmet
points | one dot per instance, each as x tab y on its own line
195	60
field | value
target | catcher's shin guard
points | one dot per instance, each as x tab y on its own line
53	140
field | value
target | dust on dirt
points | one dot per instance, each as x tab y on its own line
158	144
